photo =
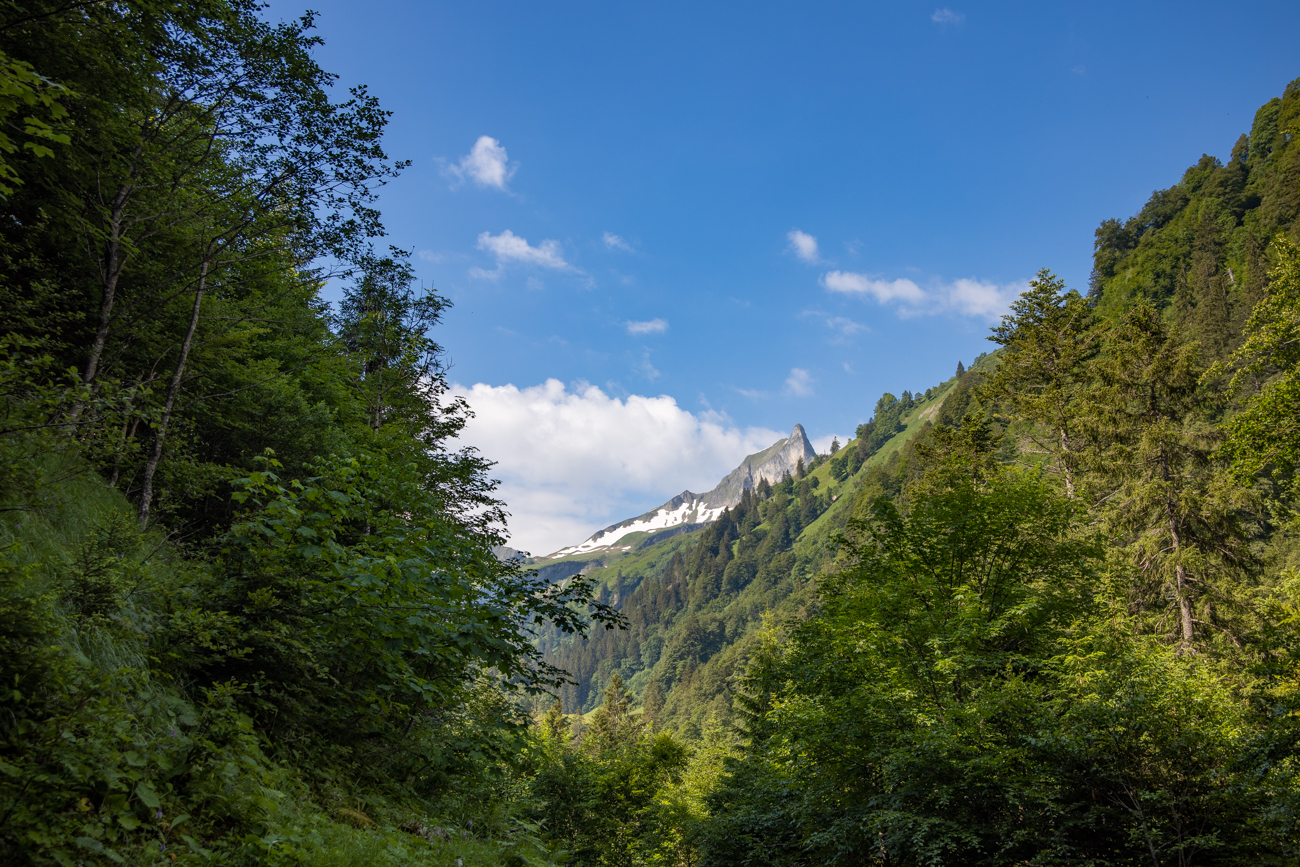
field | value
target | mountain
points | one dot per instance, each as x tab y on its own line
695	602
689	511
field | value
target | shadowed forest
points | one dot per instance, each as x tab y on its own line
251	610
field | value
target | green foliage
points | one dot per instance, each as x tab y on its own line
226	640
1265	435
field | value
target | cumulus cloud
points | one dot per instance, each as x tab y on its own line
883	291
510	248
947	16
614	242
486	165
574	460
799	382
980	298
965	297
803	245
653	326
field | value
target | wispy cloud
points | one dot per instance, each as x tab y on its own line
965	297
799	382
646	369
843	326
652	326
947	16
804	246
486	165
509	248
614	242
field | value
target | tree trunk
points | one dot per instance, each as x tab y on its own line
1065	465
1184	607
155	455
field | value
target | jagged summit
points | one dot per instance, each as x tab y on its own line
688	510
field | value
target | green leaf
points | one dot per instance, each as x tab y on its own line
148	796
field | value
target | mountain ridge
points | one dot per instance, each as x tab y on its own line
698	510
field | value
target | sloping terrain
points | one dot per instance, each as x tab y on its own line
696	602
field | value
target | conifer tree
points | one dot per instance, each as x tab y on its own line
1149	449
652	702
1049	340
612	723
555	724
961	369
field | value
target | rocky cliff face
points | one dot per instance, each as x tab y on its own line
687	508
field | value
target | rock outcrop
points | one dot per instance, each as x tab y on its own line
688	509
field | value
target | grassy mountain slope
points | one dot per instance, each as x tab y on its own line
696	603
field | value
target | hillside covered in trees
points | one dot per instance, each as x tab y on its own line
250	611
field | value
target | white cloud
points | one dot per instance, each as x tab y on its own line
966	297
572	461
653	326
803	245
980	298
646	369
486	164
882	290
947	16
614	242
509	247
799	382
845	326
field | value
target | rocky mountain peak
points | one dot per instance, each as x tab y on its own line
688	510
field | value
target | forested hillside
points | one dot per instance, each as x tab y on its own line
695	603
251	610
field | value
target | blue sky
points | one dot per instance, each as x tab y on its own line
707	222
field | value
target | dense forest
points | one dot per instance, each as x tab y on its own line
1044	612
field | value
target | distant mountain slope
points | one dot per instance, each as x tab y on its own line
689	511
695	602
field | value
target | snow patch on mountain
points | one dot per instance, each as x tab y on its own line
770	465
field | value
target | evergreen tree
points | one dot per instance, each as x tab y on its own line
1149	448
612	724
555	724
1050	341
652	702
961	369
835	445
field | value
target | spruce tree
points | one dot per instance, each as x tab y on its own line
555	724
1050	340
1149	450
652	702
